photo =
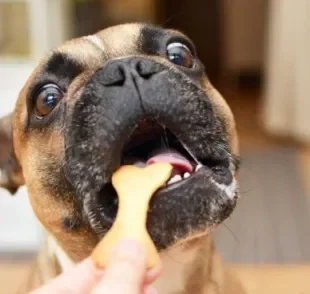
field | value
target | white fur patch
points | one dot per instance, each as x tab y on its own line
229	190
54	249
95	40
175	263
3	176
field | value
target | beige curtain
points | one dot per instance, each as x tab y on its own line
286	108
49	24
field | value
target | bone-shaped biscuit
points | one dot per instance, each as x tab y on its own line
135	187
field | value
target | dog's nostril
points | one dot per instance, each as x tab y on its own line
147	68
114	75
115	72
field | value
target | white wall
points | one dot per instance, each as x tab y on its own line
286	101
49	25
19	229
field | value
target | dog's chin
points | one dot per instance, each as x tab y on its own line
197	197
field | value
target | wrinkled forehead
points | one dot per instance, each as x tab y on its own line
117	41
88	53
110	43
81	57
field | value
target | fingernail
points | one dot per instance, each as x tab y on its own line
153	273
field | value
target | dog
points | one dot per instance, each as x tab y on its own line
130	94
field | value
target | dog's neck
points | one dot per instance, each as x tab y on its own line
179	266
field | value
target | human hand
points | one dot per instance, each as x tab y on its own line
126	272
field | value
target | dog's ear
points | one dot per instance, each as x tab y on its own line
11	177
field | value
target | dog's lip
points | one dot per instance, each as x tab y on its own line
183	181
201	173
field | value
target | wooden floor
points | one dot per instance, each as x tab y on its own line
12	275
273	278
262	279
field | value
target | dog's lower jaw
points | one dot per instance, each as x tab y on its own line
187	269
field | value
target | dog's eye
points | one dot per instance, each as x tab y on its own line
47	99
179	54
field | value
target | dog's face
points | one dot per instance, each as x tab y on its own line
131	94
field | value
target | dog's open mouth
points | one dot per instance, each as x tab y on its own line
151	142
159	145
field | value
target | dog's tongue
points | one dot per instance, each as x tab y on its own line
173	157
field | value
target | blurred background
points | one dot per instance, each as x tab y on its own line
257	54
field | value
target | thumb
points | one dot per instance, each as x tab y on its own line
125	271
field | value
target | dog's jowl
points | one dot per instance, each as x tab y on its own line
130	94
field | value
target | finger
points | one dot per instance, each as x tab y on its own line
150	290
125	271
78	280
153	274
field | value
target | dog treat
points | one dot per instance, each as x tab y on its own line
135	187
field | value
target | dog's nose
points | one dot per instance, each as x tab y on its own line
116	71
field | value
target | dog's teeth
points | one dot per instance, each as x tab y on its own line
140	164
198	167
186	175
171	181
174	179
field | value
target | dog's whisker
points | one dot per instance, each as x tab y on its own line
232	233
170	256
191	154
166	139
243	192
173	16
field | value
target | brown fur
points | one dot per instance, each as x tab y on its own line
206	275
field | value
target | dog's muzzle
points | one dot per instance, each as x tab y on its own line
137	111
